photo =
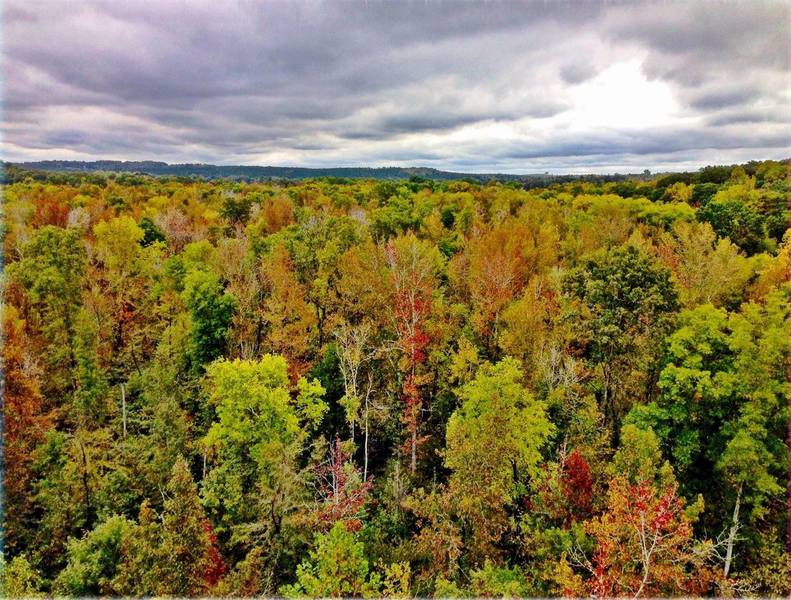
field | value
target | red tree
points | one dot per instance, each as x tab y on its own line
341	489
50	211
577	484
413	284
216	565
644	546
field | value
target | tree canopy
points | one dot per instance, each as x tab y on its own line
410	388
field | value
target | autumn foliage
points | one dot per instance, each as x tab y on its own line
414	388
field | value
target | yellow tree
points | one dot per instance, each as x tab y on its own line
493	270
706	269
291	323
122	268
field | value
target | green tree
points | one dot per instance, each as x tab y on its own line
18	579
211	310
246	580
255	484
185	545
90	397
639	457
93	560
151	232
491	581
51	270
722	412
141	568
337	568
732	214
171	554
623	303
72	482
494	441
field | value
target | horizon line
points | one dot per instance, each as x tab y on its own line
546	172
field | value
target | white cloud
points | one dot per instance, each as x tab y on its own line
621	96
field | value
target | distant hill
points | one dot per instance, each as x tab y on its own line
243	172
46	169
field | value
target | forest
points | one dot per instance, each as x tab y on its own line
414	388
54	170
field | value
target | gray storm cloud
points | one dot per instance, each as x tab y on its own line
494	86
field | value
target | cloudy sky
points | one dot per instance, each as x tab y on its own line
479	87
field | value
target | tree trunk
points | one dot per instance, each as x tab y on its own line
732	533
